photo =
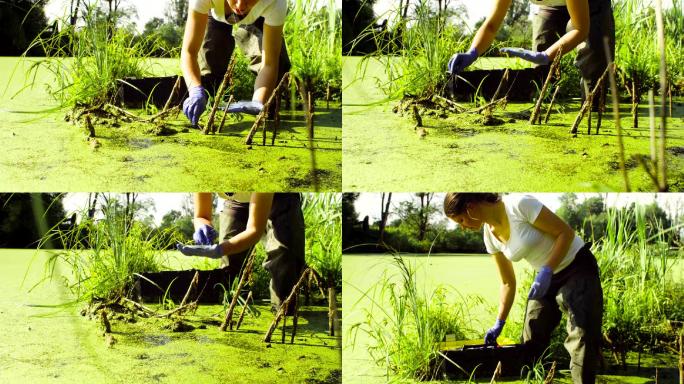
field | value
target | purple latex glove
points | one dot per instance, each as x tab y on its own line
494	332
204	235
541	283
460	61
212	251
195	104
540	58
253	107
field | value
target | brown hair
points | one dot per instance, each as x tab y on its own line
455	202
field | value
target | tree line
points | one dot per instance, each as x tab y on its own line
420	226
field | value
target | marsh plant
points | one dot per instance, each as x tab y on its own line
414	52
87	61
314	40
406	322
105	255
641	297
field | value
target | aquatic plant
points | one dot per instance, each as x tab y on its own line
407	323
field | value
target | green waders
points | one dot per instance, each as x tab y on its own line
575	291
283	240
550	23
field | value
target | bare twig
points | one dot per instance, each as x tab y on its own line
114	110
586	105
228	321
549	76
225	114
601	106
616	111
504	79
180	309
551	374
276	119
486	106
174	90
459	108
140	307
651	121
209	128
332	310
497	373
295	319
553	99
285	305
191	287
243	311
264	111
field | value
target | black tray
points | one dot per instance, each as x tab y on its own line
175	284
519	87
461	362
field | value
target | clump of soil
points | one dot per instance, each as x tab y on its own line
489	120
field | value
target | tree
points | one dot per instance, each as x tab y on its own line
349	216
22	21
19	212
384	213
177	12
416	214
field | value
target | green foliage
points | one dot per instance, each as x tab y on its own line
416	51
19	212
101	56
22	21
323	221
314	40
406	323
105	255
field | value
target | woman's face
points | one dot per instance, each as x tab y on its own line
241	7
465	220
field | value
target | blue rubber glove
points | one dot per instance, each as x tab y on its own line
460	61
204	235
494	332
541	283
253	107
212	251
540	58
195	104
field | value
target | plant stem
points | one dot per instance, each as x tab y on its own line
283	307
497	373
225	114
588	101
616	112
264	111
247	271
276	119
295	319
651	120
312	151
191	287
174	90
209	128
332	309
663	86
549	76
548	111
551	374
242	312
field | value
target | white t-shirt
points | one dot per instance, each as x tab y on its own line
549	3
526	241
273	11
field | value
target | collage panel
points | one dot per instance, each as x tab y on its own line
102	95
470	96
170	287
436	287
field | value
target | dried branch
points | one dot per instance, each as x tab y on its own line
264	112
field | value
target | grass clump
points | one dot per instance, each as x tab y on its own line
406	323
314	40
105	255
87	62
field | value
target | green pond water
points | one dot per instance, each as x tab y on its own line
42	152
51	345
464	275
383	152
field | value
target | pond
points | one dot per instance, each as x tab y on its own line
464	275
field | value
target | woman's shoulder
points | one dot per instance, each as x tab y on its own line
201	6
522	205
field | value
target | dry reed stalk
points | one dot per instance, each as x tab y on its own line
209	128
549	76
662	186
586	105
174	90
264	112
246	272
616	112
285	305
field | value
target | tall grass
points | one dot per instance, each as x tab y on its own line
105	255
314	41
87	61
406	323
323	219
415	52
640	296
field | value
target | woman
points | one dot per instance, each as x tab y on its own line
276	219
567	280
558	23
210	27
